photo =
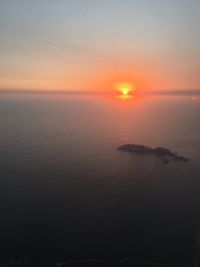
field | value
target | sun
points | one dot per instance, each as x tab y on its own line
125	91
125	88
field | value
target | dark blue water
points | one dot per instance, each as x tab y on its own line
66	192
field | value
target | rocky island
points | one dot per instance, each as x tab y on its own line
162	152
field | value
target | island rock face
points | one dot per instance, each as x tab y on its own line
136	148
165	153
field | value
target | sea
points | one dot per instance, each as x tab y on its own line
67	193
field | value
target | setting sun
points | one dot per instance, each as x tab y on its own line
125	88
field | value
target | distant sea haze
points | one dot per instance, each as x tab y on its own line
175	92
68	193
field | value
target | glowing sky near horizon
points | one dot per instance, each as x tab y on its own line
91	44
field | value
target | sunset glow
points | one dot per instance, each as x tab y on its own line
73	54
125	88
124	97
99	133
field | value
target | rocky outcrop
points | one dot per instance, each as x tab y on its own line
161	151
165	153
136	148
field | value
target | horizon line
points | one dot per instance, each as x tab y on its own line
164	92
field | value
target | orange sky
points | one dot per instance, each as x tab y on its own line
78	46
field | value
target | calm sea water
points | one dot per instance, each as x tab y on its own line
66	192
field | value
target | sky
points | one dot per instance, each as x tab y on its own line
91	45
